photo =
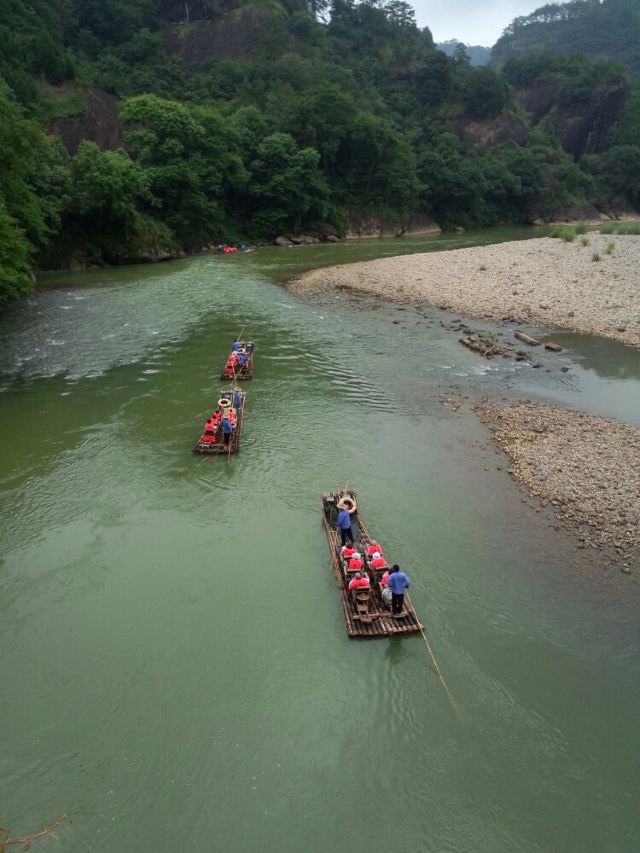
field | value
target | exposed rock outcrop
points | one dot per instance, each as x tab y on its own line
584	130
100	124
580	128
537	99
495	131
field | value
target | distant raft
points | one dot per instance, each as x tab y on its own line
239	365
222	431
365	612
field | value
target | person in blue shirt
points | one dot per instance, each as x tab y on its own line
344	526
235	345
237	398
398	582
242	360
227	429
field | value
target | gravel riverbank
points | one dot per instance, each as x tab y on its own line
541	282
587	467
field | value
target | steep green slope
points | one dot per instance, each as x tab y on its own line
604	29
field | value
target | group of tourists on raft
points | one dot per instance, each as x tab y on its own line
365	562
224	419
239	359
226	249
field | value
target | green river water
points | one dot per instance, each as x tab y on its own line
174	668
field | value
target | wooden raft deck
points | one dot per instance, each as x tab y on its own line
379	622
220	448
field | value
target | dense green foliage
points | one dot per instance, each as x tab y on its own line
329	112
605	29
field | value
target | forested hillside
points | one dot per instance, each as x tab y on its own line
139	129
604	29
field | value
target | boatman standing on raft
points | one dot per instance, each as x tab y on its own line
397	582
344	525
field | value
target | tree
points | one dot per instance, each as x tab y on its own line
379	169
108	188
484	94
287	190
15	259
433	80
618	171
167	143
460	55
33	192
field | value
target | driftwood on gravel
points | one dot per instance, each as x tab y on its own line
527	339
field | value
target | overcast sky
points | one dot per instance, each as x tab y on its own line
470	21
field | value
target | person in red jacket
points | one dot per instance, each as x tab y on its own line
359	582
372	548
378	561
347	551
355	563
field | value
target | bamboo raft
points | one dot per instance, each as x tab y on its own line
377	621
246	371
218	446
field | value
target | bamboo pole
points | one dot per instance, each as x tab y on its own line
439	674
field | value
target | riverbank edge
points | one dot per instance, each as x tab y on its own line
586	467
588	286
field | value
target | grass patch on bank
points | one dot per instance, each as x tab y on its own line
568	233
565	232
623	228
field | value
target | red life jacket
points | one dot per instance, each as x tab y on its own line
373	548
380	563
354	565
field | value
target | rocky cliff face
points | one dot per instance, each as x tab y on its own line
582	128
583	131
495	131
100	124
538	99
